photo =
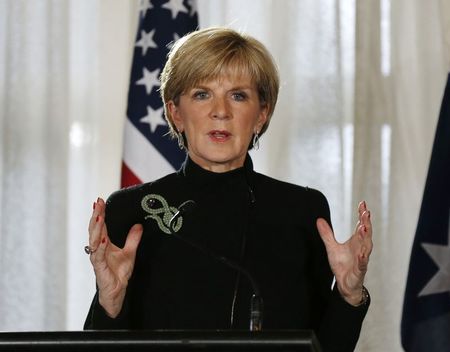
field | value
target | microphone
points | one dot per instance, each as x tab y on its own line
256	302
184	208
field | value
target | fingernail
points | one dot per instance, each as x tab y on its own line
96	219
98	199
364	203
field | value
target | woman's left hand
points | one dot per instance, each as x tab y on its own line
349	260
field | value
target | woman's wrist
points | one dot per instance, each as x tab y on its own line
112	309
112	305
357	298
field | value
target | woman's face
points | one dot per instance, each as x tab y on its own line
219	118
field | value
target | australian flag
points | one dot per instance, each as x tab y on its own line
426	312
148	152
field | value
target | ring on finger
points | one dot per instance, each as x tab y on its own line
89	250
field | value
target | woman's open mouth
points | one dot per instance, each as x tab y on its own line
219	136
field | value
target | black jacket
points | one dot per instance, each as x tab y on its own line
266	225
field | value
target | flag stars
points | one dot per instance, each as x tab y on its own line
154	118
149	79
175	6
146	41
440	282
193	6
144	6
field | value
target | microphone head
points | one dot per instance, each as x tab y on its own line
186	207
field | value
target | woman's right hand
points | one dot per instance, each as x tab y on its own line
113	266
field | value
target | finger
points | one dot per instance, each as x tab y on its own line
325	232
363	261
98	231
133	239
366	221
98	209
365	233
365	226
95	223
98	257
362	207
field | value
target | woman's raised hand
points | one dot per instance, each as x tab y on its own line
113	266
349	260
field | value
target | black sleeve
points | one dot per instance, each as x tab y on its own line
340	322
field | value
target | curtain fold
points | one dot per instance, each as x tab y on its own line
396	108
63	78
101	36
34	148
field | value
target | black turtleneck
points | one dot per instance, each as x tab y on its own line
266	225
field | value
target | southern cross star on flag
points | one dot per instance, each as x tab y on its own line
426	310
148	151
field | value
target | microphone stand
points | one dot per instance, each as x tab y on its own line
256	301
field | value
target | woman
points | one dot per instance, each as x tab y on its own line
219	90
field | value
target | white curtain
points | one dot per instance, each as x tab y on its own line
63	83
402	61
34	148
361	89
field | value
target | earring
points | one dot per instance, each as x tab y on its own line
181	140
256	141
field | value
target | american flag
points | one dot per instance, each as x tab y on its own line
148	152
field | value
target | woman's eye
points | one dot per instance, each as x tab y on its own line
200	95
239	96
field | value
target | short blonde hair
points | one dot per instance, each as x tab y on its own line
210	53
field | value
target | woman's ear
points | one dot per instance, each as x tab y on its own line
262	118
174	113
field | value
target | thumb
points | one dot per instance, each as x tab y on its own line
133	238
325	232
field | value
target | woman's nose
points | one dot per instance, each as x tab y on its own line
220	109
